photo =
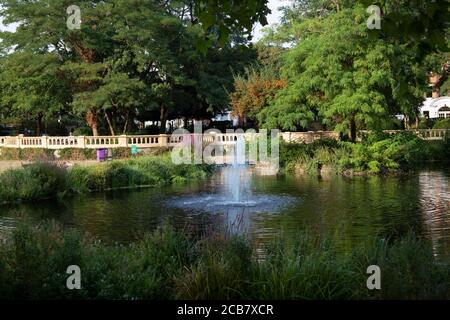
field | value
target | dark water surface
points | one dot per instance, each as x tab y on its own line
349	210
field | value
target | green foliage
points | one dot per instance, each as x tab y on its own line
377	153
144	171
126	60
33	182
442	124
45	180
31	86
26	154
349	77
381	152
311	157
171	265
341	74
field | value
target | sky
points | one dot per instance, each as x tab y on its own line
274	17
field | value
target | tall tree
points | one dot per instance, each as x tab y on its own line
141	43
31	87
349	75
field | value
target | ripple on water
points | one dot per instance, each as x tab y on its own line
214	203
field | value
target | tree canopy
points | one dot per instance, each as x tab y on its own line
348	76
131	58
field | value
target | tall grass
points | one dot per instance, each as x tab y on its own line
35	181
171	265
47	180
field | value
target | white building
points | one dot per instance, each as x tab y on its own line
433	108
227	117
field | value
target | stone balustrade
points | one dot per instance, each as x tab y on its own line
167	141
108	142
425	134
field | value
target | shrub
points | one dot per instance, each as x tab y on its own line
77	154
35	181
442	124
377	153
26	154
46	180
170	265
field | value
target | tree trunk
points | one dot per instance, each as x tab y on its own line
127	122
39	125
163	119
352	133
110	124
92	121
406	122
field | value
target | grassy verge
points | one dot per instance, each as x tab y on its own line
47	180
70	154
170	265
379	153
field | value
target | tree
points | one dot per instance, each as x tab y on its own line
254	91
149	46
31	87
347	75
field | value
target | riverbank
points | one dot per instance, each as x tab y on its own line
44	180
378	153
170	265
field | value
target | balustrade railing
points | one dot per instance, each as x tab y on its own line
425	134
123	141
165	141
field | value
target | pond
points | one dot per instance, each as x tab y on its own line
348	210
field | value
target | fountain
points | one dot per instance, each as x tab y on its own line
231	192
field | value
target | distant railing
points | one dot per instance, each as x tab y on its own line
425	134
168	141
123	141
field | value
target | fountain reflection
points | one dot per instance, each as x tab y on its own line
435	203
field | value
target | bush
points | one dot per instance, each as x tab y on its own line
26	154
71	154
170	265
46	180
77	154
35	181
442	124
377	153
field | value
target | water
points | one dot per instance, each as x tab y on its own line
349	210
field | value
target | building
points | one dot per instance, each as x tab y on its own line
434	108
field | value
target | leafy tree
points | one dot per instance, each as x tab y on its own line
31	87
348	75
133	57
254	91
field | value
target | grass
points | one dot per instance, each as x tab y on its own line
73	154
47	180
170	265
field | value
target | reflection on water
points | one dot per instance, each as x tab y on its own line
232	195
435	203
348	210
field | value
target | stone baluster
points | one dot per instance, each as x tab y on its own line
123	141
